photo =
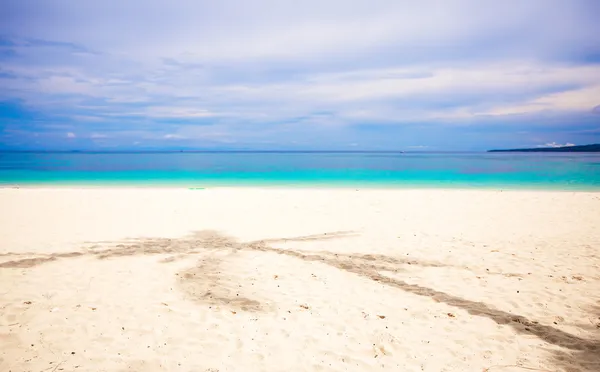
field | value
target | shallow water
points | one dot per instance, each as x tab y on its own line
353	169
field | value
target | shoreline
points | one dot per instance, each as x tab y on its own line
300	186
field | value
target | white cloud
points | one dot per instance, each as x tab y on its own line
65	84
582	100
177	112
173	136
87	118
554	144
233	63
71	135
405	92
202	29
98	135
361	85
410	93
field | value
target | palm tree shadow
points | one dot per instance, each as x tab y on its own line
364	266
577	361
587	360
578	354
204	283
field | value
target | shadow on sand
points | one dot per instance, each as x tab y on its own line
204	281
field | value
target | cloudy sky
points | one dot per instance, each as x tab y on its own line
297	75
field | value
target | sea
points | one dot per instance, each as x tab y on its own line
549	171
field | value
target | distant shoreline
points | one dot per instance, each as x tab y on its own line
583	148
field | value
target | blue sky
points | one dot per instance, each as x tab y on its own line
298	75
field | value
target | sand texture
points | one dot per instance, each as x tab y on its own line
245	279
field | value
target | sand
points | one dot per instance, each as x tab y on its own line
242	279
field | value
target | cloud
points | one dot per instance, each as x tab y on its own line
554	144
71	135
292	30
177	112
580	100
173	136
308	72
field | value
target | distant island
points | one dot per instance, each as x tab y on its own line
584	148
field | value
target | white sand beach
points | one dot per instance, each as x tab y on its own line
244	279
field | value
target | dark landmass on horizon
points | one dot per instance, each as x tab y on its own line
583	148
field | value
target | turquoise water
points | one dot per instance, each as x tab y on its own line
445	170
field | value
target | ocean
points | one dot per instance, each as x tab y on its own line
566	171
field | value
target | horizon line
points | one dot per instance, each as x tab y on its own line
232	151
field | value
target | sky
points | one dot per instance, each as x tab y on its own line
298	75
